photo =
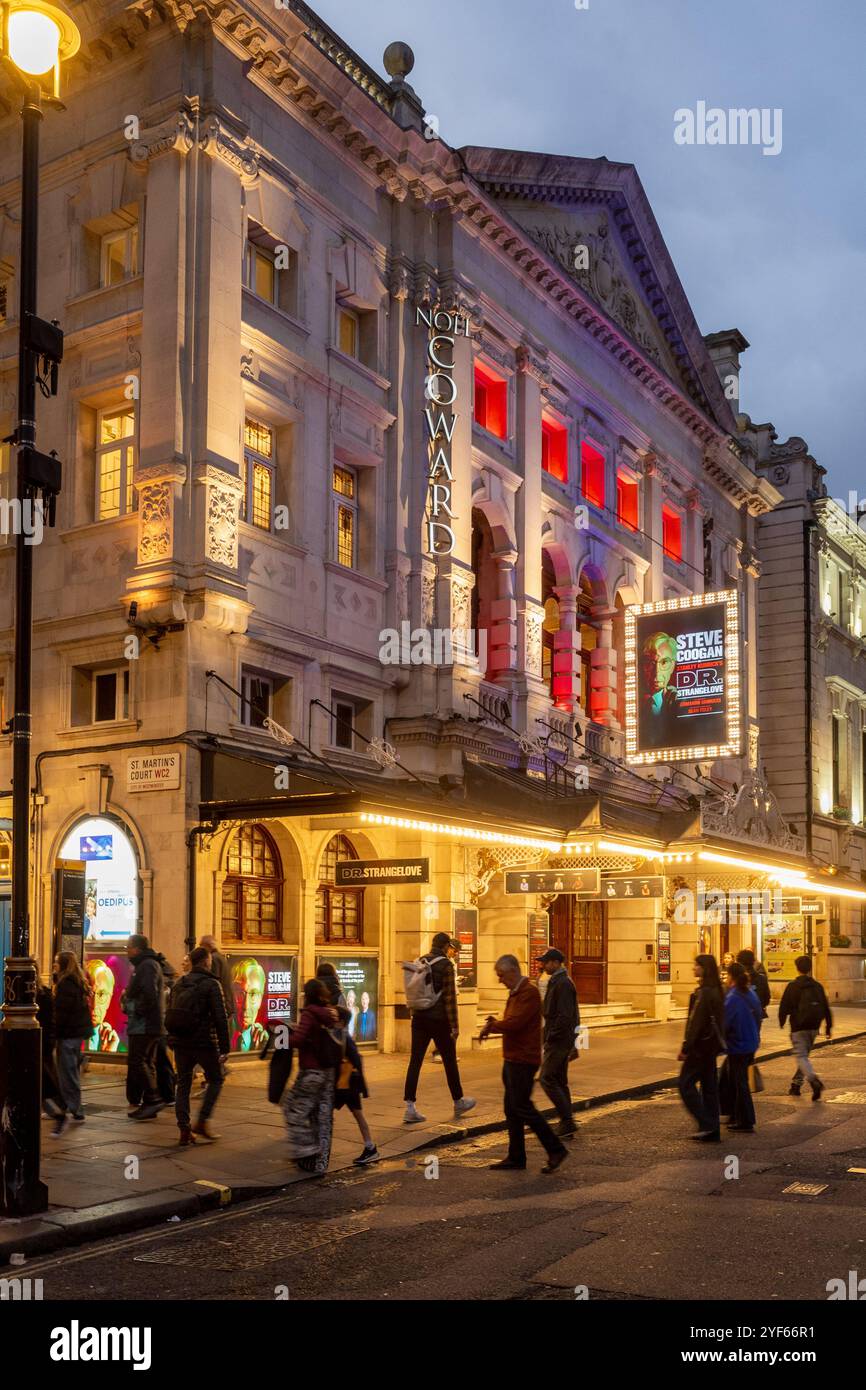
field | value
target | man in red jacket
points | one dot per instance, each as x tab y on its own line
520	1027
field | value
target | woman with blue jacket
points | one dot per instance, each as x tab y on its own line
743	1015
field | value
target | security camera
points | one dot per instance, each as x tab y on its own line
133	611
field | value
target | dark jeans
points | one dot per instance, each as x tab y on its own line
141	1088
553	1080
743	1112
518	1077
701	1070
166	1080
437	1031
50	1080
187	1059
68	1063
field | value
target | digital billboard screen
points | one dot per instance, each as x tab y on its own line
683	678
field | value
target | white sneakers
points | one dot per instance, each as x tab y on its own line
411	1116
461	1106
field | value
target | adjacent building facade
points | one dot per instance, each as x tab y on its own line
370	446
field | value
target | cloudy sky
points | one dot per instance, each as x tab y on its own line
775	246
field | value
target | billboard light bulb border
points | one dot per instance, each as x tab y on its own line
703	752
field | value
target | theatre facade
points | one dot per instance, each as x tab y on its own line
417	589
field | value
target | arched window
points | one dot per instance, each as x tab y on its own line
253	888
339	911
550	625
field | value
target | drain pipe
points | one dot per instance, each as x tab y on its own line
197	832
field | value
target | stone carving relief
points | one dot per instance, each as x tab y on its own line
602	278
154	522
534	621
461	603
222	524
751	815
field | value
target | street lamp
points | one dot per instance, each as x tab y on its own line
34	39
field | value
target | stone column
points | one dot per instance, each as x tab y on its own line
603	671
503	617
566	651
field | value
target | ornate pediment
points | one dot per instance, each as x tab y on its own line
585	245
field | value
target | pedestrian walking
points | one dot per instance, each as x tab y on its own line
143	1002
452	950
222	972
72	1024
805	1004
431	993
52	1100
350	1083
757	977
743	1015
561	1014
520	1026
309	1106
198	1031
704	1040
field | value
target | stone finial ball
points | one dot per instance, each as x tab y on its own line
399	60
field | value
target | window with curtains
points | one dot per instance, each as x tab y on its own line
253	888
339	911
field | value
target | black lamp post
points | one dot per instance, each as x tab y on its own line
35	38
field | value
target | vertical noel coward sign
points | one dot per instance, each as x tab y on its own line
440	392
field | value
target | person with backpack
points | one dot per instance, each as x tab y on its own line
198	1031
309	1106
561	1018
704	1040
72	1024
143	1002
431	994
805	1004
743	1017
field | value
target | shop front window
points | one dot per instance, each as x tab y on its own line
252	891
339	911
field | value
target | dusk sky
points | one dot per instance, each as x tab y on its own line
772	245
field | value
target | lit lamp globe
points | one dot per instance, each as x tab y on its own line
37	37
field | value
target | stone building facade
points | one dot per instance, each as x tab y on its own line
252	239
813	686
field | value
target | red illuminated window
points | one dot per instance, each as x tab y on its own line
627	501
554	450
491	401
672	533
592	474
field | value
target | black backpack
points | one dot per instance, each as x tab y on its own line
811	1007
187	1011
329	1048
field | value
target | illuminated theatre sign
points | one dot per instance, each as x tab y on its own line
682	678
440	393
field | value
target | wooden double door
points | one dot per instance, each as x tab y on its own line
579	930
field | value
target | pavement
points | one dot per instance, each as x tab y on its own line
112	1174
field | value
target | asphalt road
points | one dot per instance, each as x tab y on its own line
637	1212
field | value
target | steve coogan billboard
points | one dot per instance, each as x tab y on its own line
682	678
